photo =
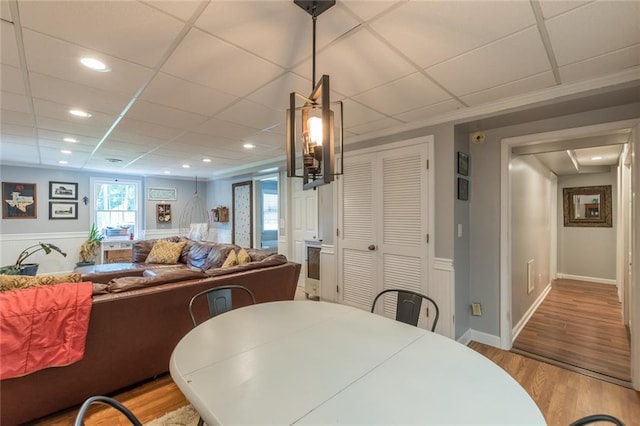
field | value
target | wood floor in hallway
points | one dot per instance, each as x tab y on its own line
580	324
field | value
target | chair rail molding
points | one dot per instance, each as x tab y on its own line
12	244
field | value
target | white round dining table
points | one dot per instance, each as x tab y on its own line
303	362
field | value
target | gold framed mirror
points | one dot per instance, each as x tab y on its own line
587	206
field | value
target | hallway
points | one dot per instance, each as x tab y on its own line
579	326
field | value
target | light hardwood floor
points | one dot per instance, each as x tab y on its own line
580	324
562	395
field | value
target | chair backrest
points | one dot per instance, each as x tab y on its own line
597	418
106	401
408	306
219	300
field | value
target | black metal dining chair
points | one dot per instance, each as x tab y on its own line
106	401
408	306
594	418
219	300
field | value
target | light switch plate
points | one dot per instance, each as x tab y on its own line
476	309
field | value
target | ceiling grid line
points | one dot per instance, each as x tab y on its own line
546	40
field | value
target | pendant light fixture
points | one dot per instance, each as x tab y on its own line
312	125
194	220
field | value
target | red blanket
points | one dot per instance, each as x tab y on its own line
43	327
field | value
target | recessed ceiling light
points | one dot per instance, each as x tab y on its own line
63	162
65	151
70	140
596	158
95	64
270	169
114	160
206	160
249	145
186	166
167	172
80	113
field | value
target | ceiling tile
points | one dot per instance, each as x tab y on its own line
225	129
219	65
509	59
602	65
69	93
276	93
610	155
18	152
59	136
12	80
574	36
47	109
353	69
374	126
430	32
551	8
402	95
9	49
182	9
259	115
15	129
274	140
61	59
356	114
366	10
160	114
11	116
125	29
202	141
5	11
151	130
289	28
174	92
13	102
518	87
76	128
430	111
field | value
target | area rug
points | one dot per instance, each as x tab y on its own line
184	416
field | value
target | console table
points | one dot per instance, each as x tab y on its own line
300	362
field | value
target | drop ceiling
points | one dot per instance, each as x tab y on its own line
195	80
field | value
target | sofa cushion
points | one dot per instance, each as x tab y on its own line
15	282
141	249
165	252
118	285
232	260
257	255
243	257
271	260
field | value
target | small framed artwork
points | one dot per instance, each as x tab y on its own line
19	200
164	213
162	194
63	190
463	189
63	210
463	164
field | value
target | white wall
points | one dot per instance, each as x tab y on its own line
586	251
532	189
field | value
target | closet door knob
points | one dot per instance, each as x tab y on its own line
372	247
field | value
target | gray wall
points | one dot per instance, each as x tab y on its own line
185	191
588	252
532	190
461	244
485	205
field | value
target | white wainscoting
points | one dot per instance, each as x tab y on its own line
69	242
442	290
328	273
527	315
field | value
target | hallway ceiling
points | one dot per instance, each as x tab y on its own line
196	80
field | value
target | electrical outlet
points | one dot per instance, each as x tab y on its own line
476	309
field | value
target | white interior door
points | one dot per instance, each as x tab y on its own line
383	223
305	222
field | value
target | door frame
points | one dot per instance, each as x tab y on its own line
506	338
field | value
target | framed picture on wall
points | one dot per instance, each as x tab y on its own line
463	189
463	164
63	190
162	194
19	200
63	210
163	213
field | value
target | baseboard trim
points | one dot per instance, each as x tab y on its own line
589	279
523	321
480	337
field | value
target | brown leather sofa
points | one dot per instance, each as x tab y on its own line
132	333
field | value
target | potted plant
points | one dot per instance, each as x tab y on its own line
21	268
89	249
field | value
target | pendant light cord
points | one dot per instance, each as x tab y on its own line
314	17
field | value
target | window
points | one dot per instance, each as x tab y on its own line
116	207
269	212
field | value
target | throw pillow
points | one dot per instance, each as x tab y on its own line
16	282
165	252
243	257
232	260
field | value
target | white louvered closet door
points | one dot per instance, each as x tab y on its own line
385	205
